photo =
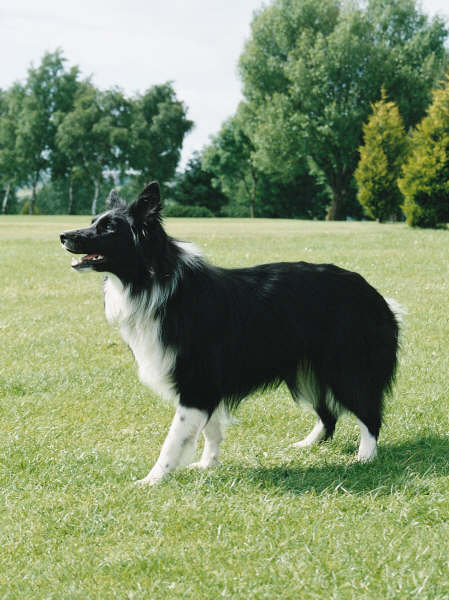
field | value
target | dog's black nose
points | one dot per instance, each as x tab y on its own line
62	237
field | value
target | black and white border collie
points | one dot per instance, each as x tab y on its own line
205	337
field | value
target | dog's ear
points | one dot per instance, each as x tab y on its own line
148	205
113	200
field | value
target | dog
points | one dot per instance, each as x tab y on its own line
205	337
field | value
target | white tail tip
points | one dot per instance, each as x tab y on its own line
398	310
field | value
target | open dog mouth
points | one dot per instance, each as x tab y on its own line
87	261
69	241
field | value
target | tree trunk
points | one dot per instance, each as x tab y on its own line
335	210
95	200
70	206
33	199
251	207
5	199
252	192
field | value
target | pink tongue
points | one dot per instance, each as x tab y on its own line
89	256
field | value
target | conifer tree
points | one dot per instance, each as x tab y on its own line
425	180
381	158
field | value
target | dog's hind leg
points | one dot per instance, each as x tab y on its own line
322	431
368	444
318	398
369	416
317	434
179	444
213	436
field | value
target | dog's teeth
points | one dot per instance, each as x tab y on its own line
78	261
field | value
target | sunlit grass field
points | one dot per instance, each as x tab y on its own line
77	428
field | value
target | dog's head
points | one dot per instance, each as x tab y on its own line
121	240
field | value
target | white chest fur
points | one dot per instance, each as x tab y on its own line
141	331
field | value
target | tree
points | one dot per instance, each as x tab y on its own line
253	191
230	158
60	132
108	133
49	89
381	159
193	187
311	71
93	135
425	180
11	166
159	124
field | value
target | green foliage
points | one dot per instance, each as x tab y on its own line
49	89
194	187
252	191
158	126
425	181
8	200
29	208
311	71
173	209
107	132
12	167
237	209
57	128
381	159
229	158
93	134
53	196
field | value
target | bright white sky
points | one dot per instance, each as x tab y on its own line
134	44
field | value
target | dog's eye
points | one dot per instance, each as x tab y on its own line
105	227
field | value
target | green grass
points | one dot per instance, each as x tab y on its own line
77	428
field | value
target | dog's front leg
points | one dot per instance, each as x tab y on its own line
213	436
179	444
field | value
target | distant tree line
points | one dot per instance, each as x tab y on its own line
68	141
343	115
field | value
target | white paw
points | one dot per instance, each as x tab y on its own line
305	443
201	465
142	482
153	477
366	457
147	481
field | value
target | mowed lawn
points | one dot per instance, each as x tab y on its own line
272	521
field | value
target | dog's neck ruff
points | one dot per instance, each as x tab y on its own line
122	301
140	328
138	314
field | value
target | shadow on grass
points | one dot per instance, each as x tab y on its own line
398	466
